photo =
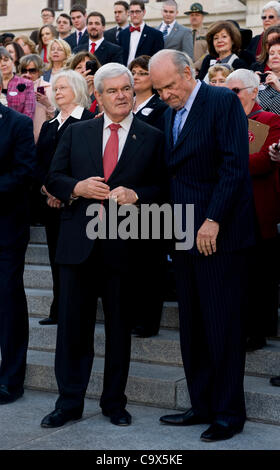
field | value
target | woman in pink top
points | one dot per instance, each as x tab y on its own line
19	91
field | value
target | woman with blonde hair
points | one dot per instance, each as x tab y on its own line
58	54
71	98
28	46
217	74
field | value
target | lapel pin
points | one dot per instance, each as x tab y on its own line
134	136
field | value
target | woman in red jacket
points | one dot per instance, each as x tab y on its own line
263	307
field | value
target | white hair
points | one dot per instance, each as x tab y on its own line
77	83
111	70
180	59
247	77
275	5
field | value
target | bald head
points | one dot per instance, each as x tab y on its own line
172	76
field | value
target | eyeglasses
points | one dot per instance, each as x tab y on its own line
238	90
269	17
29	70
135	12
140	74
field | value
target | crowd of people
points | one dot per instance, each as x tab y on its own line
143	115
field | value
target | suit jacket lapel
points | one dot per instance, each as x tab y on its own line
143	37
194	115
3	115
94	137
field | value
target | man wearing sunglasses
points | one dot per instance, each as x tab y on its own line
270	17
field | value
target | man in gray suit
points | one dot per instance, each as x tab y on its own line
175	35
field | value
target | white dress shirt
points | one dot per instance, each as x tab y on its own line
134	41
77	34
170	27
122	132
97	43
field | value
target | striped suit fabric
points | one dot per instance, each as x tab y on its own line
208	167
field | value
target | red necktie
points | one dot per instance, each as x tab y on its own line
111	152
132	28
110	157
93	46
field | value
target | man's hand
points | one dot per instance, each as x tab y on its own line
274	153
206	237
92	188
51	200
123	195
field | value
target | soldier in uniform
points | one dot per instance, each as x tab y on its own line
196	14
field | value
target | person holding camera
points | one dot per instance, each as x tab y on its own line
70	96
87	65
269	90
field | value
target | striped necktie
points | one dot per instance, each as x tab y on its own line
177	124
165	31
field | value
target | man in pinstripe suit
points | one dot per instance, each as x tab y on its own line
207	160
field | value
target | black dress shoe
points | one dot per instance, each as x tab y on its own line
275	381
183	419
142	332
7	396
59	417
219	432
48	321
119	418
253	343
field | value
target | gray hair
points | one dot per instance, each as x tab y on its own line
111	70
247	77
170	3
180	59
275	5
78	85
4	53
35	58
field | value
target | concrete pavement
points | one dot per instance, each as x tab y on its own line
20	430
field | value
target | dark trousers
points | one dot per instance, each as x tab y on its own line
212	303
52	224
13	315
262	315
80	286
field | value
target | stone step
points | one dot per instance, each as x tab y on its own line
37	277
155	385
37	254
162	349
38	235
39	302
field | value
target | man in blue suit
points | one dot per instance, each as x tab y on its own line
139	39
17	162
207	159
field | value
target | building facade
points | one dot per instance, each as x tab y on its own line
23	16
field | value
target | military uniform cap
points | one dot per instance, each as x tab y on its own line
196	8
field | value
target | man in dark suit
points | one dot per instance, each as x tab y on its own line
139	39
121	13
104	50
176	36
207	158
78	16
113	157
17	165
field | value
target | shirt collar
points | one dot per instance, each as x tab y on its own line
76	113
142	25
170	26
82	31
98	42
125	124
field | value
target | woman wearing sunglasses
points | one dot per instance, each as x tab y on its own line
263	294
32	67
270	17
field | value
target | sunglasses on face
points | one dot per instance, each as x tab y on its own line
29	70
238	90
269	17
